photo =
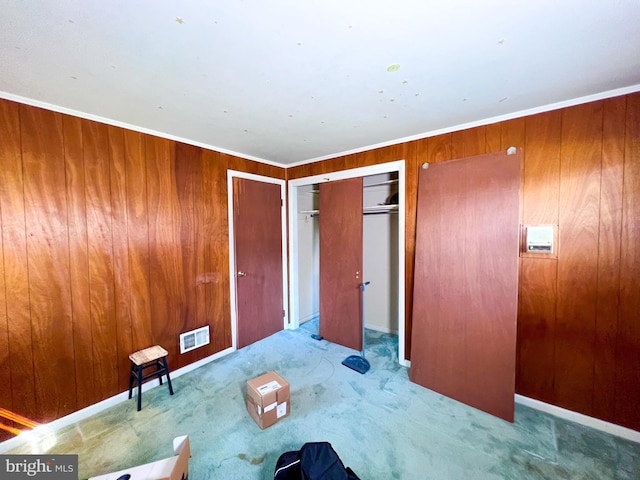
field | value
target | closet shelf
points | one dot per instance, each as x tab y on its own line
366	210
386	182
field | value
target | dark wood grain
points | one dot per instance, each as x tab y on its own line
217	281
536	329
627	393
48	262
121	268
165	258
187	160
580	171
608	297
14	243
493	138
201	242
13	272
512	133
538	277
79	262
138	240
97	174
474	142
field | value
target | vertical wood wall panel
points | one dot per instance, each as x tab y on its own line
138	240
538	277
580	169
613	133
121	269
79	261
12	271
512	134
627	393
97	173
217	233
201	247
167	290
14	243
493	137
474	141
5	358
187	159
48	262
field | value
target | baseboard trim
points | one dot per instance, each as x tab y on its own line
309	317
580	418
87	412
378	328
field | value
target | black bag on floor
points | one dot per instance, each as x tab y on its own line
314	461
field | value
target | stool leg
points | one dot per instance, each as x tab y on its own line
166	369
133	367
159	369
139	371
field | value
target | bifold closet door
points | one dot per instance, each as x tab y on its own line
341	262
257	233
463	342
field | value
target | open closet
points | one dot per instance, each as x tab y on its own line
381	256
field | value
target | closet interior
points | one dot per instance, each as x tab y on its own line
380	252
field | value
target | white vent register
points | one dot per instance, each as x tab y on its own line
194	339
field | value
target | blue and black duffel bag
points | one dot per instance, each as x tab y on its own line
314	461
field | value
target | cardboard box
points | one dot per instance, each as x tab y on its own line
172	468
268	399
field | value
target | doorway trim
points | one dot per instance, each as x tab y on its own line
231	174
293	185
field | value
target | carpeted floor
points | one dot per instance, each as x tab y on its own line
382	426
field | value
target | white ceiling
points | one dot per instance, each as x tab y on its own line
292	81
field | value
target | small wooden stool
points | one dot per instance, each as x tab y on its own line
155	356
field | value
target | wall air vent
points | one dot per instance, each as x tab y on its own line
194	339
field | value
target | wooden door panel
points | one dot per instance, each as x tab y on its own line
466	281
341	262
257	224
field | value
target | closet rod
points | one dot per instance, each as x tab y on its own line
379	210
363	213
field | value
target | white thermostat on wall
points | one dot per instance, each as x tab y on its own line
540	239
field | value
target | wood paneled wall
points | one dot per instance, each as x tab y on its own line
579	315
112	241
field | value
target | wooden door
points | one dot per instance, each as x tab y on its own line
257	233
463	341
341	262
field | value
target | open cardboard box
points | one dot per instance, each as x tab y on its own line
172	468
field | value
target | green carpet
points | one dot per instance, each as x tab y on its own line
382	426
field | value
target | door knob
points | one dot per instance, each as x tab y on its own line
242	274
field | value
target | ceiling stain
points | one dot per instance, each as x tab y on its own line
180	20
